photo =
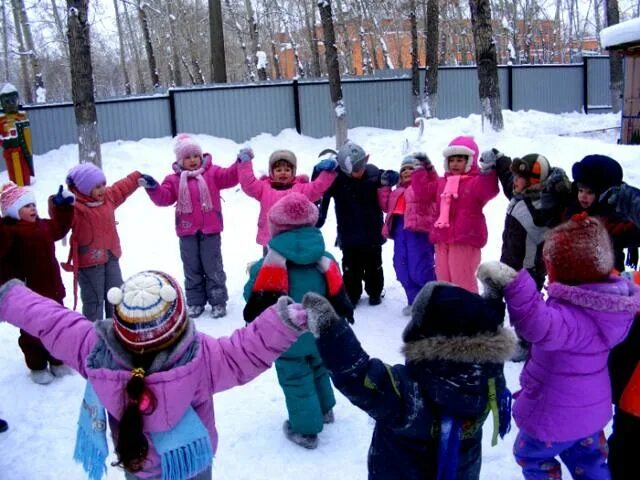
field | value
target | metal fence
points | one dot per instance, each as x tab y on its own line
240	112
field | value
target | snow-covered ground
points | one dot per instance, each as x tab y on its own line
40	440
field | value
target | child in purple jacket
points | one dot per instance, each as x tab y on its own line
408	223
565	397
194	188
150	374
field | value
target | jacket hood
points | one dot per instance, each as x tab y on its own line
303	246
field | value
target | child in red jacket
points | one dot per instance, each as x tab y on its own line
27	252
95	245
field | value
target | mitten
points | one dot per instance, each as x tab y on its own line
320	314
389	178
488	159
423	160
329	164
495	276
291	314
557	181
626	200
63	197
147	181
245	155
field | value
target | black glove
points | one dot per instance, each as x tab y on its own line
423	160
147	181
389	178
63	197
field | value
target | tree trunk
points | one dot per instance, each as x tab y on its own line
175	55
82	82
5	41
333	69
257	61
415	65
487	64
216	39
151	58
249	75
432	60
140	85
38	81
123	63
60	30
27	91
615	61
347	51
310	23
276	61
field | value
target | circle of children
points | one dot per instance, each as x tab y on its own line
151	376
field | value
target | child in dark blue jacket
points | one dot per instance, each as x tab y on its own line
429	412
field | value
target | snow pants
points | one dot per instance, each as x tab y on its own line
306	385
412	258
94	284
457	264
35	355
362	264
204	277
623	450
585	458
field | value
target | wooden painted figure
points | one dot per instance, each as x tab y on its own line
15	137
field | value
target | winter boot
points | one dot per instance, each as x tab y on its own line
42	377
219	311
328	417
306	441
194	311
60	370
4	426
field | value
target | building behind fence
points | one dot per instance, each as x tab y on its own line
240	112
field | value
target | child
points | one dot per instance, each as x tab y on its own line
428	412
95	245
592	176
282	180
296	262
408	223
359	222
565	400
460	230
28	253
195	189
537	195
151	371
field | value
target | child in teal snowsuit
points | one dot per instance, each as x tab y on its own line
296	263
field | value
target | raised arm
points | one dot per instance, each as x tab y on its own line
316	188
166	193
248	181
226	177
123	189
66	334
61	218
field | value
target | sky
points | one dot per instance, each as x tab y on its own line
40	440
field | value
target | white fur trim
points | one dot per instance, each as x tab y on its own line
114	296
26	198
458	150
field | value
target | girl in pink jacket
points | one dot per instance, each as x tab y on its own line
460	229
281	181
194	188
408	223
150	375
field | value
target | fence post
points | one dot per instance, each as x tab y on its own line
510	85
172	114
296	105
585	84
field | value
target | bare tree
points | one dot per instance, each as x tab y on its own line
27	91
123	63
148	46
174	65
310	24
333	68
347	52
38	81
432	27
415	70
140	84
615	60
216	39
255	41
487	64
249	74
5	41
82	81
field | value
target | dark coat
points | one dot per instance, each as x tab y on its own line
358	214
30	254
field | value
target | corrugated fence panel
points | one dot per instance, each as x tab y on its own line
133	119
457	92
51	127
599	98
316	112
238	113
381	103
554	89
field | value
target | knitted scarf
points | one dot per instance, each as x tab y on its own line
449	193
184	451
184	204
272	281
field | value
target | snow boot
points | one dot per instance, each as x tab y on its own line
60	370
42	377
218	311
307	441
194	311
328	417
4	426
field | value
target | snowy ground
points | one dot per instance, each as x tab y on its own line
39	443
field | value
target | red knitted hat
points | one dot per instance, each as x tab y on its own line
578	251
292	211
149	313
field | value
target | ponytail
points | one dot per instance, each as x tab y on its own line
132	446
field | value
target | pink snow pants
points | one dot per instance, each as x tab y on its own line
457	264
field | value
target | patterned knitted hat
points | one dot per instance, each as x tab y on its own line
149	311
185	146
578	251
13	198
461	146
85	177
533	167
286	155
292	211
351	157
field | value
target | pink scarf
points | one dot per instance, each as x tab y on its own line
184	198
449	193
